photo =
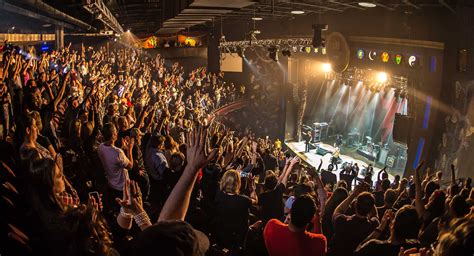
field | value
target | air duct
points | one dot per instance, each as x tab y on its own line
40	5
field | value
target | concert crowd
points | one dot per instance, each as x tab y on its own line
116	153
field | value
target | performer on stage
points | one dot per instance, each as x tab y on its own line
308	137
335	157
338	141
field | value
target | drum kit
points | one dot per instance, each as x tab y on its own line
371	147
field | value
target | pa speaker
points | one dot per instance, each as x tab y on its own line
402	128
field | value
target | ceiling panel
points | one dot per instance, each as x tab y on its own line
205	11
223	3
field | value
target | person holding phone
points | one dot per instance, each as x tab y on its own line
232	212
350	230
404	226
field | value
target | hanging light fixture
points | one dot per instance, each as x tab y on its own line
368	4
297	12
255	17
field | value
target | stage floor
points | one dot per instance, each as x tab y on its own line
313	159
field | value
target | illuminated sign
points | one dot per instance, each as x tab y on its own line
385	57
360	54
412	61
398	59
372	55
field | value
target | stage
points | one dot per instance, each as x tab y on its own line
325	153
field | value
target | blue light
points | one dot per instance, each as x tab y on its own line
433	64
426	118
44	47
419	152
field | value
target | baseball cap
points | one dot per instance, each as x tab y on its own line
174	237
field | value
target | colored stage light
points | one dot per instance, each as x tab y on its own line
327	67
382	77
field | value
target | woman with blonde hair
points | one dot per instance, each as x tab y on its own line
232	211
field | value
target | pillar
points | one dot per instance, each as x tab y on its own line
59	37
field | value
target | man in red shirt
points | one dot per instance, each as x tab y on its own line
293	239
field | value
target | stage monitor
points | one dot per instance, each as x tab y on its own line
402	128
231	62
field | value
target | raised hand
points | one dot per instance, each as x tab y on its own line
295	160
96	204
254	147
358	189
387	217
195	144
251	182
417	171
132	198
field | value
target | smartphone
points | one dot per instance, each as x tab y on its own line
96	196
244	174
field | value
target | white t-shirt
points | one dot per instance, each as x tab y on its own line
114	161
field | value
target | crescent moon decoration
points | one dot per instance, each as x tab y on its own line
372	55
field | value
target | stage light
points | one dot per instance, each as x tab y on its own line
326	67
241	53
382	77
297	12
273	53
403	94
397	93
128	30
257	18
367	4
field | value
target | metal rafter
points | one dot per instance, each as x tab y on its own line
102	13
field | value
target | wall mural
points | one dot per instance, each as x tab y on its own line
457	141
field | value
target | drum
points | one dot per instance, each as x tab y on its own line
370	148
